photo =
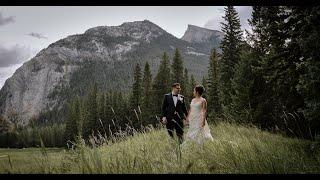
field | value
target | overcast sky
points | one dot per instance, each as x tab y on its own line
24	31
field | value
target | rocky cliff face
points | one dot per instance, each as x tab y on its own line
105	54
195	34
26	93
202	38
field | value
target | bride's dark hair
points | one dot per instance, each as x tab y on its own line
199	89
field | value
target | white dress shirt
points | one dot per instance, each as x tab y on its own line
175	99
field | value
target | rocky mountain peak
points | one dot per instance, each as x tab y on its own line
195	34
139	30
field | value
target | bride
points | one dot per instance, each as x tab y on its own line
198	126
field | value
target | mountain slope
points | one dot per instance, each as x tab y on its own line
105	54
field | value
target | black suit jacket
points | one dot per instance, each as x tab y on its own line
168	108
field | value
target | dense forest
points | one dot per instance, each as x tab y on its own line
269	79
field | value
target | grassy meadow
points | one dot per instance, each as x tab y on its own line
235	149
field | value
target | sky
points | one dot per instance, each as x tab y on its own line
25	30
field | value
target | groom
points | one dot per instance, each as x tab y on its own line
174	111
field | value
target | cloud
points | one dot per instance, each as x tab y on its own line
14	55
37	35
6	20
244	14
213	24
221	10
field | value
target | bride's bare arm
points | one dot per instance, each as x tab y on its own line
187	118
203	112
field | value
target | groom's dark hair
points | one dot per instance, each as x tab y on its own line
175	85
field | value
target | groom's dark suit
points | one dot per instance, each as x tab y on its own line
174	114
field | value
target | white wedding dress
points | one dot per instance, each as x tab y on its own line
196	133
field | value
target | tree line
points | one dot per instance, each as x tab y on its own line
271	77
104	113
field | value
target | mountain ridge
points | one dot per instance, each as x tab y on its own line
106	54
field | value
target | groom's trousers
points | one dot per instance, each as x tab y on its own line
176	125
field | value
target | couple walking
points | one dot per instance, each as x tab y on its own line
175	115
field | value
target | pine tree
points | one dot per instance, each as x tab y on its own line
92	123
116	107
193	84
109	124
204	82
136	97
146	99
214	106
263	101
242	83
177	68
137	88
205	85
102	112
231	47
279	64
306	19
276	48
122	109
161	84
82	117
186	89
72	122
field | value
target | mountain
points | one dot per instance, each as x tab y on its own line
42	86
202	38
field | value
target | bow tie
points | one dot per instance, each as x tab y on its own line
175	95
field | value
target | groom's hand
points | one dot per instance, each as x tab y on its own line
164	120
185	122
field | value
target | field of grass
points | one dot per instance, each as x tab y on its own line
28	160
235	149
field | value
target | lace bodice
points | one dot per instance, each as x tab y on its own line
195	106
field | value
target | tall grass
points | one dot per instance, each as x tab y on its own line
235	149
